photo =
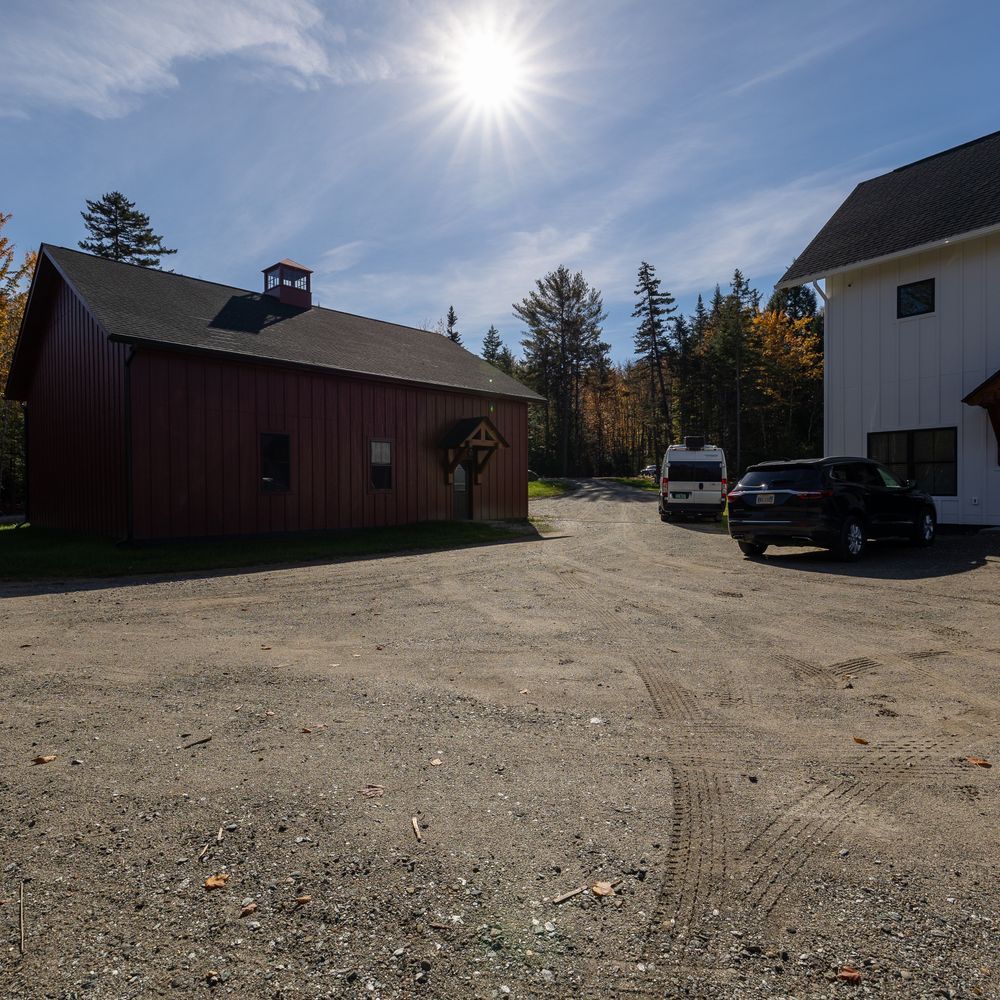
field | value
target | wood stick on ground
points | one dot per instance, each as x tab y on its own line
416	830
21	916
218	836
569	895
197	743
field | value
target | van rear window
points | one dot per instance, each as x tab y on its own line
695	472
792	477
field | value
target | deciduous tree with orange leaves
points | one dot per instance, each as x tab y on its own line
13	295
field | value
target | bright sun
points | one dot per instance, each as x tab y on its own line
489	75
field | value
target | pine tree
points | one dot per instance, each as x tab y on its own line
563	343
506	362
118	231
653	308
450	330
492	345
795	303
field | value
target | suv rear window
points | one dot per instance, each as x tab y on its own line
694	472
793	477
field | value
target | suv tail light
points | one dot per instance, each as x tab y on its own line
814	494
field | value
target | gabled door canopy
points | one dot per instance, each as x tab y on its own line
473	440
987	396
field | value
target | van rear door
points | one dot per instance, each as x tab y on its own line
695	481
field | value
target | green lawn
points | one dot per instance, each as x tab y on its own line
541	488
30	553
639	482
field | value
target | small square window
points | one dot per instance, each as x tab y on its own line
915	299
275	463
381	465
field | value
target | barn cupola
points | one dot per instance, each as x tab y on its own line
289	283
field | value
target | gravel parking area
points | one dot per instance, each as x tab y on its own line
399	765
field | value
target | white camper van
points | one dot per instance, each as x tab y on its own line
693	480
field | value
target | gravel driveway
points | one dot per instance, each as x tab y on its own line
767	760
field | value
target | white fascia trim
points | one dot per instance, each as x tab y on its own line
870	261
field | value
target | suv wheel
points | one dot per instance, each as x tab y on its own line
925	529
752	550
853	540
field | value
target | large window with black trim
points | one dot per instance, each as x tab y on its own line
915	298
381	465
929	457
275	463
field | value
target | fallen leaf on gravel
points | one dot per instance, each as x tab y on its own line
436	762
524	690
979	761
46	759
269	712
849	975
858	739
314	729
372	791
248	909
217	881
302	900
602	889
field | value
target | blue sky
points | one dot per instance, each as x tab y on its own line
699	136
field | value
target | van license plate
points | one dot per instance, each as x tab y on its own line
680	496
765	498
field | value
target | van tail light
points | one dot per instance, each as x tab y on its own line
814	494
664	484
724	483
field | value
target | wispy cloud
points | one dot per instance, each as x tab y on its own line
759	232
102	56
832	41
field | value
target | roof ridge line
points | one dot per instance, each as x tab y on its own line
943	152
248	291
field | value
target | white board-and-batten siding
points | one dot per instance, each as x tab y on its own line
889	374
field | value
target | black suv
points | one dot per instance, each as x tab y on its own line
835	503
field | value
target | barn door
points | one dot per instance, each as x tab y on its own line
462	493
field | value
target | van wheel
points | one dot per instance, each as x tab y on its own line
752	550
925	529
664	517
853	540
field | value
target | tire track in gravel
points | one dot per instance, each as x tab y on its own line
696	872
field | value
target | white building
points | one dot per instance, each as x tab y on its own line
911	263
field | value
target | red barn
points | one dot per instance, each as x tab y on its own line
163	406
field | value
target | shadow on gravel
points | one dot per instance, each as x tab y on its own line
67	583
603	490
892	560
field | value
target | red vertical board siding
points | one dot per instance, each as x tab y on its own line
197	423
76	407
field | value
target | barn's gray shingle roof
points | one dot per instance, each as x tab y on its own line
937	198
147	306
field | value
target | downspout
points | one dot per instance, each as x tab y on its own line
821	293
27	477
128	443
